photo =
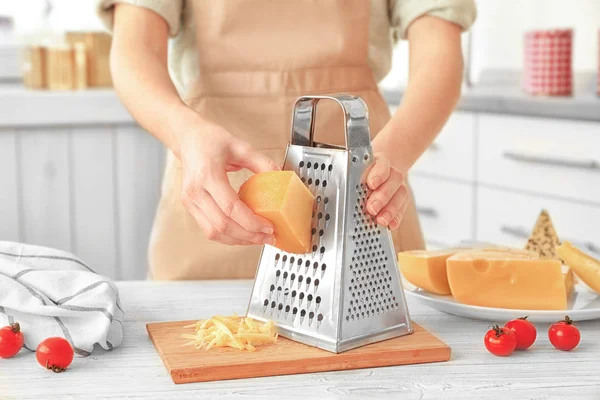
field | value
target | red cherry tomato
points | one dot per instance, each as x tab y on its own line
11	340
564	335
55	354
500	341
524	330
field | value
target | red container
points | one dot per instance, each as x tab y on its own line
548	62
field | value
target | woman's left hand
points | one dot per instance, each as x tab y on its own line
389	197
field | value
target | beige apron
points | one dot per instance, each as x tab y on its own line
256	57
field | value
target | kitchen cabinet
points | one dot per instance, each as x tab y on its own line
80	176
520	164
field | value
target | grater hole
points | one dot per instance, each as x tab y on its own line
295	310
314	248
277	273
301	296
316	165
308	280
303	179
272	288
330	168
318	299
277	257
316	265
266	303
314	230
354	159
322	249
307	263
324	183
293	293
284	258
321	232
311	315
317	182
320	317
310	181
323	267
318	199
308	164
272	304
300	278
285	275
302	313
322	167
293	276
327	217
320	215
301	164
280	307
299	262
316	282
347	318
287	309
326	199
292	259
309	297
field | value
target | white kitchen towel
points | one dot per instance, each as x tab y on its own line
53	293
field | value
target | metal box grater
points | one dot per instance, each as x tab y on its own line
347	292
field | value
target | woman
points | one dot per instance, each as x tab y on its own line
221	98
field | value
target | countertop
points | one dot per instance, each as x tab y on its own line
499	91
134	370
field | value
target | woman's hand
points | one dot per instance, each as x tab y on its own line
207	153
389	198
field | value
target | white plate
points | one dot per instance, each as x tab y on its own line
584	305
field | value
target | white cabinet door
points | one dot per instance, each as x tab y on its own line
445	210
451	155
507	219
537	155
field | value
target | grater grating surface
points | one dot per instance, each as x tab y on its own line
347	291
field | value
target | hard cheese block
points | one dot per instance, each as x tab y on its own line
282	198
501	279
586	267
426	269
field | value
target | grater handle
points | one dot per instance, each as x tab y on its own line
356	120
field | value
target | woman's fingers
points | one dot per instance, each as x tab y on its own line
379	198
233	208
226	225
209	230
393	207
379	173
254	160
395	224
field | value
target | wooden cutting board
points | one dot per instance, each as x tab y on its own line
187	364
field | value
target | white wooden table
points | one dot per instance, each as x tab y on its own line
134	370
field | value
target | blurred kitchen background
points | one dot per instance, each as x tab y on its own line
77	173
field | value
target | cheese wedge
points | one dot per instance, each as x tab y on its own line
282	198
426	269
506	280
586	267
543	239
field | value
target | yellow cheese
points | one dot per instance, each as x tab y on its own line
426	269
586	267
282	198
515	280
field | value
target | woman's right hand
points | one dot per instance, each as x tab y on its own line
207	153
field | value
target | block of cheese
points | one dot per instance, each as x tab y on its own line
585	267
282	198
426	269
500	279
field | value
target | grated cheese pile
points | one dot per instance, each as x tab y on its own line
233	331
